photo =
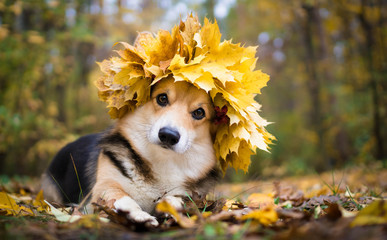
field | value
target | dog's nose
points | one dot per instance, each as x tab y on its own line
169	136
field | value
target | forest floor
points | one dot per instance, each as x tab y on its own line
345	204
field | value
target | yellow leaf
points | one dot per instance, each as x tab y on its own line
231	205
210	35
375	213
24	211
265	216
116	100
191	73
8	204
206	214
244	153
205	81
105	66
227	206
162	48
218	71
183	221
126	76
189	28
240	132
250	82
39	202
260	200
10	207
138	91
129	53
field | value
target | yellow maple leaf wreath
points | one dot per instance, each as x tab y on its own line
194	54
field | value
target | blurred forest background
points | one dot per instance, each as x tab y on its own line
327	59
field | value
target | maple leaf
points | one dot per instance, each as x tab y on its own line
194	53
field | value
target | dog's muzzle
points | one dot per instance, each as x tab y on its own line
168	137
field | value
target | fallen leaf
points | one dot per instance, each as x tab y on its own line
375	213
9	206
260	200
228	215
183	221
293	214
39	202
62	216
232	205
264	216
333	211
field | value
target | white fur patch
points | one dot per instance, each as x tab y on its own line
166	121
175	202
127	204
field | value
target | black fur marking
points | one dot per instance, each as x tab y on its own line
204	183
116	139
84	152
116	163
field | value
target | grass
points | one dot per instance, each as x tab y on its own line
79	182
358	206
335	190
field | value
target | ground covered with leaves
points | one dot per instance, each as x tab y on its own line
349	204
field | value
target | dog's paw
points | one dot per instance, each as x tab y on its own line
126	204
175	202
141	216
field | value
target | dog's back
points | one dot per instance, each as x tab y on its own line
71	174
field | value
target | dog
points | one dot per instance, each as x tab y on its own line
163	150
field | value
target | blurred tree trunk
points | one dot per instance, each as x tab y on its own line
313	83
371	50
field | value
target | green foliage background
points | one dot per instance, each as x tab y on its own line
327	61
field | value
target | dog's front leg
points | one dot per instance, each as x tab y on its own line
110	190
127	204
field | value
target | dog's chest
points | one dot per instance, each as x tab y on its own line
168	180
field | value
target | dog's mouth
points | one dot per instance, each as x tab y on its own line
166	146
172	148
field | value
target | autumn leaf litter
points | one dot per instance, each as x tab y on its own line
287	210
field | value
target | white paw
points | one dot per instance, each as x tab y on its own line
175	202
126	204
141	216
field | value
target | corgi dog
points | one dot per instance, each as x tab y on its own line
163	150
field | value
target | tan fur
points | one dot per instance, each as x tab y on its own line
108	181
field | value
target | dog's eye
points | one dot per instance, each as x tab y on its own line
162	99
199	114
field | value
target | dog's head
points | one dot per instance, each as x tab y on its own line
177	117
181	115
